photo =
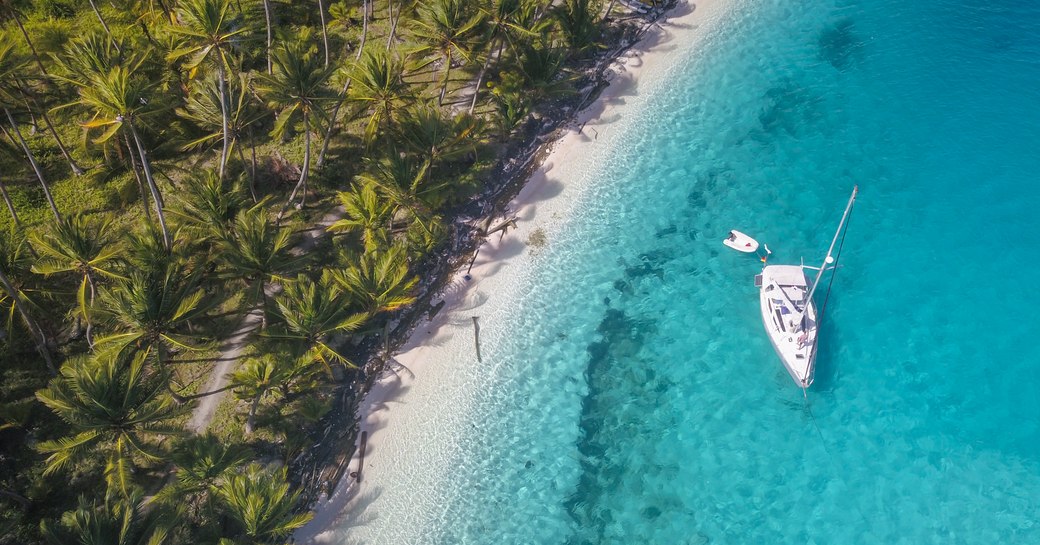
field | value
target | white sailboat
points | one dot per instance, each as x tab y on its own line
789	312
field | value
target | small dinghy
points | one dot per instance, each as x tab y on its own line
741	242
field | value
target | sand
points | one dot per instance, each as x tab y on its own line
410	412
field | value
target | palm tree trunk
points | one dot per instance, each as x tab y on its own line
46	75
480	78
343	92
393	23
34	328
10	205
137	176
90	303
35	166
447	74
252	164
104	25
154	189
223	114
324	31
76	169
182	399
263	304
252	176
251	419
303	171
267	21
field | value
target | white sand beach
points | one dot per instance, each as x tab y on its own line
413	414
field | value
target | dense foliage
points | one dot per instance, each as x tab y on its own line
164	165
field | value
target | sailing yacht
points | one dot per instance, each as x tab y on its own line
789	312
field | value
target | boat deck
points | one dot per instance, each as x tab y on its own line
789	321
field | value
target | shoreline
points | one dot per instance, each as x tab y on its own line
422	366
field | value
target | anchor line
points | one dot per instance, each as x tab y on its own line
834	466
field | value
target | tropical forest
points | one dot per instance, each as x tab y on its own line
218	216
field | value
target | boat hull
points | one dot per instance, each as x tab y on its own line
789	317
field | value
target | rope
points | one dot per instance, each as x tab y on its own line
838	473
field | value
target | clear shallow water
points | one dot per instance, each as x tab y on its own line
632	396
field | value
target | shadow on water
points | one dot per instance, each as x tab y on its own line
840	45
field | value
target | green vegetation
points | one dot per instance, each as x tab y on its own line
164	166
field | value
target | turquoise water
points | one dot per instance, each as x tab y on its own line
634	398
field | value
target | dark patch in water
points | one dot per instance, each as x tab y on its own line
623	388
650	263
696	199
790	107
670	230
839	45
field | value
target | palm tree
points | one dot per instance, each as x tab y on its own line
512	108
148	312
404	181
10	206
577	19
207	206
544	74
31	97
203	107
17	137
260	503
324	31
114	521
104	24
367	212
267	24
110	402
379	280
444	30
203	462
146	251
507	20
14	300
82	246
298	88
310	313
11	67
435	137
379	84
261	376
258	251
340	12
119	98
210	28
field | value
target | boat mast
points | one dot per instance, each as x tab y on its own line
826	260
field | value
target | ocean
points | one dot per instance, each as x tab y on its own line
627	392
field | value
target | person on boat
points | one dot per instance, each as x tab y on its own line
732	237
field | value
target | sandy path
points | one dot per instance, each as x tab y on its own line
233	347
